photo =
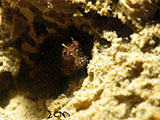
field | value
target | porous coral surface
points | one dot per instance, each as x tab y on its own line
119	39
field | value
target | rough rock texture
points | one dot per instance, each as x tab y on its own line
120	39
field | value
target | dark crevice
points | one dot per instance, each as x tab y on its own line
40	28
148	86
135	70
104	42
157	13
46	77
111	24
24	37
147	47
130	100
6	80
6	85
5	97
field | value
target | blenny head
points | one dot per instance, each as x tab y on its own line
72	57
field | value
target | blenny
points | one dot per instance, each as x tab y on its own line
72	57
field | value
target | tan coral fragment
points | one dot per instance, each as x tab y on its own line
139	10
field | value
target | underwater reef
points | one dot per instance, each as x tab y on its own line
80	59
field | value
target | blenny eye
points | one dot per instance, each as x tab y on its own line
64	53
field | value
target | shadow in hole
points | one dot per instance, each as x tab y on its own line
5	97
46	78
6	87
111	24
75	82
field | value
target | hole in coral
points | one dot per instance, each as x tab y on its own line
104	42
48	77
40	28
147	86
5	80
111	24
148	47
5	98
6	83
131	100
157	13
136	70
